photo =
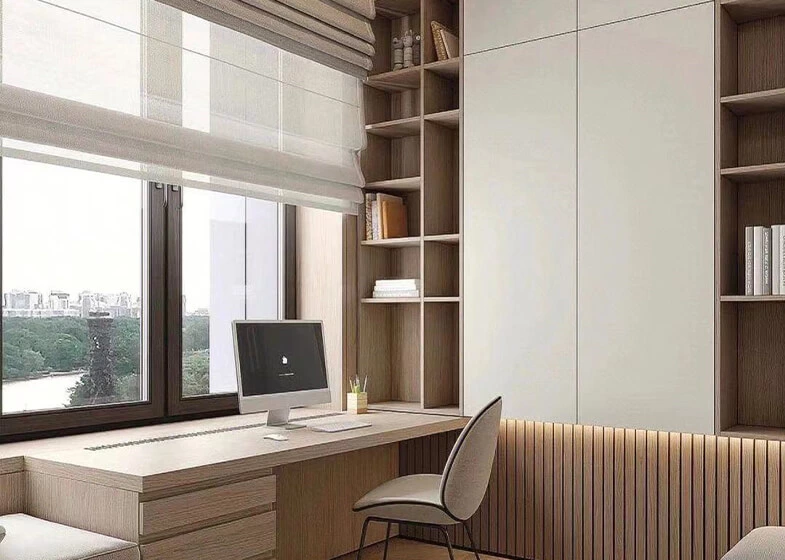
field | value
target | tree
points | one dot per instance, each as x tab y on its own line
196	373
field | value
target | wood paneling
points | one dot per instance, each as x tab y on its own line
12	493
563	492
92	507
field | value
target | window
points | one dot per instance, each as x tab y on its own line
92	264
230	271
72	288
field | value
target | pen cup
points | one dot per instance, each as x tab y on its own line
357	403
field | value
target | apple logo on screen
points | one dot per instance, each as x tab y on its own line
284	360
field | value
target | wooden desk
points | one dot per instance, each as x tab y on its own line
229	495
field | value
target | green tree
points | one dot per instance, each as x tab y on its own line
196	333
196	373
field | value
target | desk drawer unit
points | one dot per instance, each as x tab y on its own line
244	539
168	514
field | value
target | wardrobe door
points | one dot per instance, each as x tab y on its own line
489	25
519	229
599	12
646	222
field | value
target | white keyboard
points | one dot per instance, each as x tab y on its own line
343	426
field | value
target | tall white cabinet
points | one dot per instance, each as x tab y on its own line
588	221
519	224
646	222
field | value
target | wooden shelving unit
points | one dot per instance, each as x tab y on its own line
410	348
750	190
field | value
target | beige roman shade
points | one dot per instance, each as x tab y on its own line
336	33
138	88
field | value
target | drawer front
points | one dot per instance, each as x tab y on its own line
162	515
238	540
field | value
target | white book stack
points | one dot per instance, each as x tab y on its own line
397	288
764	256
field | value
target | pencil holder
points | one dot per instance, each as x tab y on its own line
357	403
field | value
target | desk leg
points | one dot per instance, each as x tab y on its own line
315	498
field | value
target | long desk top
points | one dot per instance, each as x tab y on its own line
155	466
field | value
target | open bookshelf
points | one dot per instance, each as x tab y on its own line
410	347
750	190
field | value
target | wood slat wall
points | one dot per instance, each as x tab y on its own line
561	491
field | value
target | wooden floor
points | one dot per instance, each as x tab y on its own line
404	549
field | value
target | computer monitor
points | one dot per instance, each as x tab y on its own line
280	364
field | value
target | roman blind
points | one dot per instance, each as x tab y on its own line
142	89
334	32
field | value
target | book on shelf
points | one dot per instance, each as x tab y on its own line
749	261
444	41
776	260
385	217
397	288
764	260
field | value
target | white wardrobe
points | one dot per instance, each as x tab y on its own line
589	213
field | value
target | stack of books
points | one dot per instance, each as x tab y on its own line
764	261
397	288
385	217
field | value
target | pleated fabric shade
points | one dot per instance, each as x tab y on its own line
336	33
138	88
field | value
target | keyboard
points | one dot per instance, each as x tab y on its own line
344	426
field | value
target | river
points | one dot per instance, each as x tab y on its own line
38	394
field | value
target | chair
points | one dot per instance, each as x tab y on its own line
440	500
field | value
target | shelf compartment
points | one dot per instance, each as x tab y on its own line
755	173
757	102
415	408
441	364
441	271
751	299
756	432
396	80
393	301
397	8
399	128
441	180
393	243
446	238
449	118
405	184
744	11
449	69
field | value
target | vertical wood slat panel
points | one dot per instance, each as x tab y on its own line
566	491
618	494
640	494
663	495
558	492
651	495
686	497
710	497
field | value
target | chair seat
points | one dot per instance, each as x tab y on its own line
763	543
413	498
30	538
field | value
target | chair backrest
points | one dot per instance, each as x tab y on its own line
468	467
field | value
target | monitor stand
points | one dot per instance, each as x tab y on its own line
279	418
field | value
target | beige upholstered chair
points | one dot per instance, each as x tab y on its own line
440	499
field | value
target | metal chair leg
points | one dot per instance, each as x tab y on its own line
386	540
471	540
447	538
362	538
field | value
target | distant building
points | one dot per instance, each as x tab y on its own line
28	303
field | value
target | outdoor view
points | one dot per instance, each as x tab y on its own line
72	305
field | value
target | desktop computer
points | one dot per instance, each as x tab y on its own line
282	365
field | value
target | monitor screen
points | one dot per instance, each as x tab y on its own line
280	357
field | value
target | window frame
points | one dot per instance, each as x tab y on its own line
164	333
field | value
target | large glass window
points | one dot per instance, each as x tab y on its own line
72	288
230	271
